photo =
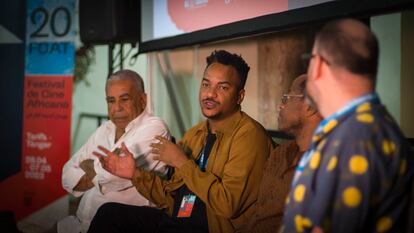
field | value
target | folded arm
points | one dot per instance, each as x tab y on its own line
85	183
78	172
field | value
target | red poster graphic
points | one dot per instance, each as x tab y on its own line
45	145
193	15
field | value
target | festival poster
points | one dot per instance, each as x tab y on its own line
49	66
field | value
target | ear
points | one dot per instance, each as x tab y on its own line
310	111
143	99
240	96
315	71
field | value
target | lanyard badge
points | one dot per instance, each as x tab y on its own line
187	205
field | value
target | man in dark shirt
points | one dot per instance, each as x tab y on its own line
297	119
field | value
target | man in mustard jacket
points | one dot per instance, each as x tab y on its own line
218	165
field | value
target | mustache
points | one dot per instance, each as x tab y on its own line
118	116
211	100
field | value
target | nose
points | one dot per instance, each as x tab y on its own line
211	92
280	106
118	106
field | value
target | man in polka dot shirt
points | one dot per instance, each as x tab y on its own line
358	173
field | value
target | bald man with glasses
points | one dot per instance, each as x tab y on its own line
299	120
357	174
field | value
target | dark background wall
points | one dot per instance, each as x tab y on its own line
12	18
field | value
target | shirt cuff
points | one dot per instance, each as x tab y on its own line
72	179
138	180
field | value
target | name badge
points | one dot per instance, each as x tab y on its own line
186	206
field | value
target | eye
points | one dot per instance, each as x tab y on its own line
204	84
110	101
223	87
125	99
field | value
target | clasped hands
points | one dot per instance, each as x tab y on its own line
124	166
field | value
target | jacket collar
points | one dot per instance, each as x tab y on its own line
228	125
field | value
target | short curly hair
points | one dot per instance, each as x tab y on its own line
226	58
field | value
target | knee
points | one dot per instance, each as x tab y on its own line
102	221
107	210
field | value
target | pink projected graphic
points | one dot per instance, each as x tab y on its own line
193	15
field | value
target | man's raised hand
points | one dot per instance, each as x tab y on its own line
122	166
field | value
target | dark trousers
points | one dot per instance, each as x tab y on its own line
120	218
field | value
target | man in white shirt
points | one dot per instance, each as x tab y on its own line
129	123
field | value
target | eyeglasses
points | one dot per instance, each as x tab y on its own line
286	97
306	57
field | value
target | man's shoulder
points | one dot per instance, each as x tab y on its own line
152	119
284	151
248	121
239	124
198	127
148	120
248	124
232	123
373	131
289	145
250	133
374	122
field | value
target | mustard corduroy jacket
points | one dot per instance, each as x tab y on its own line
230	184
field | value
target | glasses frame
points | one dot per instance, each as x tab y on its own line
307	57
287	97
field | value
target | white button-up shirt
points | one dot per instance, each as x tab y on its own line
107	187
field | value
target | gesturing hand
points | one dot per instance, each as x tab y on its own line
168	152
122	166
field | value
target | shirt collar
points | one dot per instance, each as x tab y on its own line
228	125
329	123
351	105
